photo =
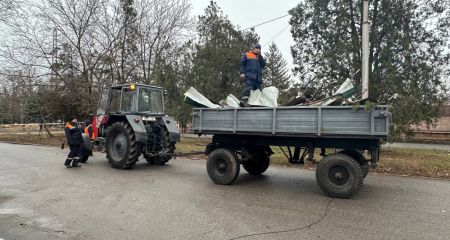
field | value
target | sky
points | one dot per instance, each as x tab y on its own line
248	13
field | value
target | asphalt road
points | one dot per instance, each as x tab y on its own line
41	199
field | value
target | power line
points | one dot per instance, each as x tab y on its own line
276	35
257	25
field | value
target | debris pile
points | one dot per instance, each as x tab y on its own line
268	97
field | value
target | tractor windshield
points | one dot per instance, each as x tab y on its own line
150	100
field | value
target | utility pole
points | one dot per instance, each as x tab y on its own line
54	52
365	50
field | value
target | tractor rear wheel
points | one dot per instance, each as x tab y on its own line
122	150
167	147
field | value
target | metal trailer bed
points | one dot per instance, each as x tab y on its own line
244	136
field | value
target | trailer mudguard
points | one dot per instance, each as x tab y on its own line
171	126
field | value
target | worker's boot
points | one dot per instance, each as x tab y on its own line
67	163
75	162
244	102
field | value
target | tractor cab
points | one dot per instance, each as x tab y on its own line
131	99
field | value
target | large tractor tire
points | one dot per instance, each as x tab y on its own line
222	166
258	163
360	158
339	175
122	150
165	144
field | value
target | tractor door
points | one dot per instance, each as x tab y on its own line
103	101
101	118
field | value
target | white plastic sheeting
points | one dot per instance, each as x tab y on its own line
267	97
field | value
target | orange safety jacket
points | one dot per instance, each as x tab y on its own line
89	131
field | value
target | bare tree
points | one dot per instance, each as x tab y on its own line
161	23
8	8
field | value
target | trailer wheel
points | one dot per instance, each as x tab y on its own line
222	166
360	158
339	175
364	169
257	165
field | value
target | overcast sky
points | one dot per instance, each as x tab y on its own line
247	13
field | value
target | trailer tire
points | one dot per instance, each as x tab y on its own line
360	158
257	165
222	166
364	169
339	175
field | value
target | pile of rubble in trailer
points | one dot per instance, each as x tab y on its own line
268	97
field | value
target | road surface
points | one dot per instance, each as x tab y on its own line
40	199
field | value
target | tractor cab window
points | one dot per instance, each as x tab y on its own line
103	101
150	100
115	101
127	100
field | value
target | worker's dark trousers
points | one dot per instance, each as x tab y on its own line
73	155
250	85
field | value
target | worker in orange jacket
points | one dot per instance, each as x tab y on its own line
85	153
75	140
89	129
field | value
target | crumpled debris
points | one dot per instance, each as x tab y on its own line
345	91
268	97
230	102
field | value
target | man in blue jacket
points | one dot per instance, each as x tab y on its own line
74	139
251	70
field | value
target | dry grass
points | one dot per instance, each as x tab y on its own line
415	162
398	161
56	140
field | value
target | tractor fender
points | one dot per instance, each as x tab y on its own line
138	127
171	126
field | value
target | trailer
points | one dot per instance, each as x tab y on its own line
342	134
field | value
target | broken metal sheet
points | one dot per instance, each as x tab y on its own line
196	99
230	102
345	91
